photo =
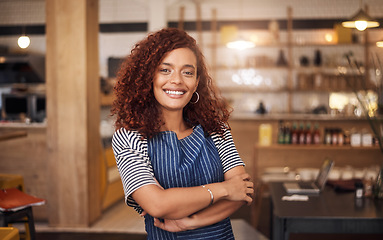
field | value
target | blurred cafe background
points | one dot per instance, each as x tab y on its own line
303	79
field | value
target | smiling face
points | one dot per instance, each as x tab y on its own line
175	80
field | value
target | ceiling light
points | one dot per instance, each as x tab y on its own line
361	20
23	41
240	44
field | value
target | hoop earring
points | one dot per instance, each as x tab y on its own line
197	98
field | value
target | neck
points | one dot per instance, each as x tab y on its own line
174	122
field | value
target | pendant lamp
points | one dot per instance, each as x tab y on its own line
23	41
240	43
361	20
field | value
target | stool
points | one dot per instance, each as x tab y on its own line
9	233
17	181
21	216
11	181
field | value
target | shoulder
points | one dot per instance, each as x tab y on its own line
128	138
218	139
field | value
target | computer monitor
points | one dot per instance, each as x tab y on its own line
14	106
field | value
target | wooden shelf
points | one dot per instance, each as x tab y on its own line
315	147
307	44
252	89
266	68
328	45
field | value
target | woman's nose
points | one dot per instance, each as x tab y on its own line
176	78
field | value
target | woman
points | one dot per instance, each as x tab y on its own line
174	151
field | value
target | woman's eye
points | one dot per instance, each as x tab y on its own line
189	73
164	70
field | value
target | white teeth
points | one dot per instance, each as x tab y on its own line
174	92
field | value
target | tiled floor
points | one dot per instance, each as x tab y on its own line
123	219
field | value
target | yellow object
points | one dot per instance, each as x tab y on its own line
265	134
11	181
342	34
228	34
9	233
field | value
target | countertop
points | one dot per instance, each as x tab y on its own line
22	125
294	116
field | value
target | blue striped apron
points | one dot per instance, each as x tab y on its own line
191	161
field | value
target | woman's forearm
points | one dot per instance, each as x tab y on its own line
177	203
211	215
214	213
218	211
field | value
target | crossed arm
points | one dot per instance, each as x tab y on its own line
188	208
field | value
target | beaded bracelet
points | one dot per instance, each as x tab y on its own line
211	194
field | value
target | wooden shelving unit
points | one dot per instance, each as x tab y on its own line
311	156
297	147
290	48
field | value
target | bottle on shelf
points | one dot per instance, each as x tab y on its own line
287	134
327	136
281	135
308	134
347	137
340	137
316	134
334	136
301	134
294	134
265	134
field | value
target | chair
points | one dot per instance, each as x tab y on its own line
9	233
11	181
21	216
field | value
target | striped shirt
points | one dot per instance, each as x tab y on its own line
192	161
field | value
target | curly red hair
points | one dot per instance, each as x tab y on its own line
135	104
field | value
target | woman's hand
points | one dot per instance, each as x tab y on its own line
240	188
178	225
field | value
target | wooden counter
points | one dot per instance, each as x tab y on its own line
11	134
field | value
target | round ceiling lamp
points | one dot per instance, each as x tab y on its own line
361	20
23	41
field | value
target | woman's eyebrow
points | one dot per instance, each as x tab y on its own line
167	64
189	65
171	65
